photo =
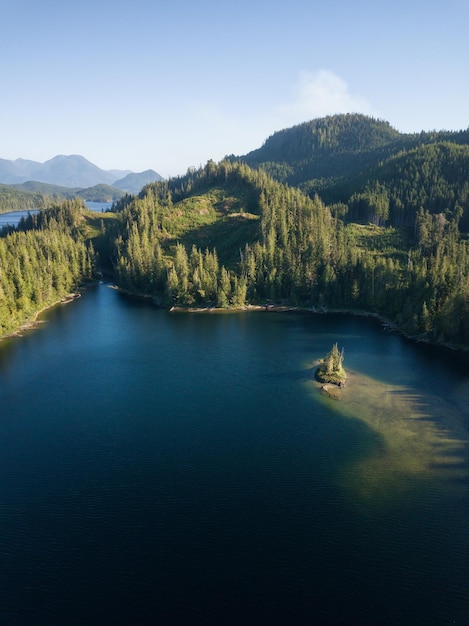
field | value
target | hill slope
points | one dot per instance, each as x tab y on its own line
337	146
326	148
133	183
12	199
226	235
348	157
434	177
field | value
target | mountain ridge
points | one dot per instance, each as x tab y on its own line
133	182
317	153
71	171
369	171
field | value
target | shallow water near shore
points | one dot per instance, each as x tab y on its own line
166	468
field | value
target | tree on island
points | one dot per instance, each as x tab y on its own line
330	369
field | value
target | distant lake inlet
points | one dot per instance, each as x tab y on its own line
12	218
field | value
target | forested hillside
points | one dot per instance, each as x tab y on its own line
326	148
377	173
34	195
12	199
433	176
390	240
42	263
227	235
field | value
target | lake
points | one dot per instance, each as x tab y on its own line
185	468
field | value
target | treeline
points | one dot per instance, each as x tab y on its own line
149	259
12	199
369	170
226	235
320	152
303	254
433	177
36	195
42	263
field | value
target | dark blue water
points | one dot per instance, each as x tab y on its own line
162	468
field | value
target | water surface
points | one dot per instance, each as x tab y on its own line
13	218
165	468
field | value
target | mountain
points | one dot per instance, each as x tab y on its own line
369	170
227	235
65	171
100	193
318	153
133	183
74	171
19	171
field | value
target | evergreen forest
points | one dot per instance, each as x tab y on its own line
342	213
34	195
42	262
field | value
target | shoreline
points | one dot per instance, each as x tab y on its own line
248	307
34	321
274	308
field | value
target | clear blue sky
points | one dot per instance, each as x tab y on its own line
140	84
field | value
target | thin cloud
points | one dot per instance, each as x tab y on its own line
318	94
314	94
211	132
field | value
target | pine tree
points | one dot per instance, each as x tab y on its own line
330	369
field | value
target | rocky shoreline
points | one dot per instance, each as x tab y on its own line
331	390
34	321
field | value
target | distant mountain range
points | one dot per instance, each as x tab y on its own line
133	183
73	172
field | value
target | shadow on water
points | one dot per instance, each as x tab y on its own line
422	438
447	436
412	417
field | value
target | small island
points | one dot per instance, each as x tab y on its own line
330	369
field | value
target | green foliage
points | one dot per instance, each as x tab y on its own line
379	175
330	369
324	148
12	199
40	264
46	189
226	235
101	193
35	195
275	244
434	176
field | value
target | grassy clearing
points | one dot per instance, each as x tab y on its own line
382	241
213	219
